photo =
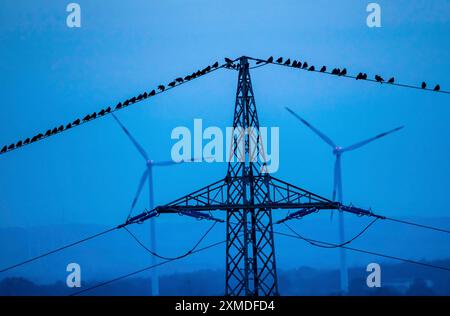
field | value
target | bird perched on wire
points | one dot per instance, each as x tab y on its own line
68	126
312	68
424	85
152	93
11	146
216	64
119	106
294	64
76	122
391	81
305	65
61	128
48	132
54	131
87	118
270	59
26	141
335	71
228	60
437	88
172	84
101	113
161	87
379	79
343	72
19	143
323	69
287	62
4	149
187	78
280	60
179	80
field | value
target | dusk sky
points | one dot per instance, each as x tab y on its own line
52	74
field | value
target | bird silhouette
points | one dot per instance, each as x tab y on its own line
299	64
207	69
335	71
69	126
437	88
359	76
161	87
323	69
364	76
133	99
4	149
280	60
93	115
287	62
379	79
119	105
139	97
294	64
76	122
228	60
391	81
126	103
87	118
179	80
172	84
101	113
108	109
216	64
270	59
40	135
54	131
10	147
312	68
305	65
343	72
424	85
48	132
19	143
33	139
26	141
61	128
152	93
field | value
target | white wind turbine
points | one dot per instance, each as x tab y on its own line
148	175
337	185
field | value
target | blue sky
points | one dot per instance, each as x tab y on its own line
52	74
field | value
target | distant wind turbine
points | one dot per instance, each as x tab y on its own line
337	184
148	175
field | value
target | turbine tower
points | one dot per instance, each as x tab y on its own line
337	185
147	175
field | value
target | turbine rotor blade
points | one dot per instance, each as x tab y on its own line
315	130
364	142
144	177
171	162
133	140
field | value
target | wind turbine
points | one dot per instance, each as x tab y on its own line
337	185
147	175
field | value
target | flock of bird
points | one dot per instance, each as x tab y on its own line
120	105
336	71
229	64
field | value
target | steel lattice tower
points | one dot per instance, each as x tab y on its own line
248	195
250	259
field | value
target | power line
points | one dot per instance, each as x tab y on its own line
418	225
58	249
342	244
145	269
103	112
171	258
308	68
316	242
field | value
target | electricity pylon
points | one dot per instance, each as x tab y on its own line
248	195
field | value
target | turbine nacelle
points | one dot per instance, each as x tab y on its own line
337	150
